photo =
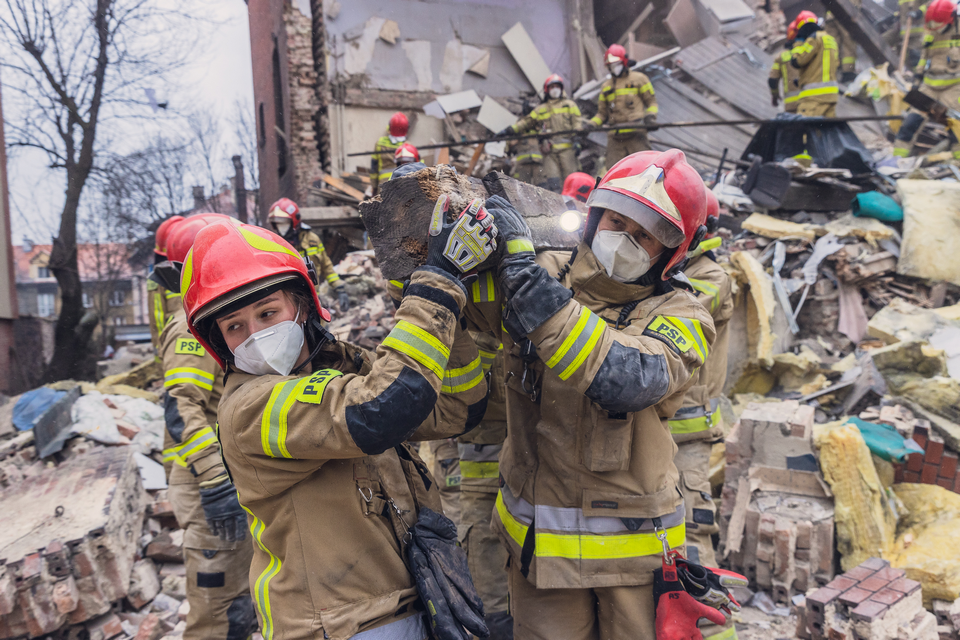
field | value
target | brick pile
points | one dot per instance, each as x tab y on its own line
872	601
936	465
776	515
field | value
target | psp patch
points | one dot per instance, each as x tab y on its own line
663	328
189	346
311	389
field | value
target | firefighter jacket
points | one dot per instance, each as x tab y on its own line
383	164
561	114
162	304
942	51
784	72
309	244
480	448
193	382
627	98
699	416
587	467
528	151
320	467
905	8
817	59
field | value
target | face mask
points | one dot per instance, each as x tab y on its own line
397	139
616	69
274	350
282	228
620	255
555	92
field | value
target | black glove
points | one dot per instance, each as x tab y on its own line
532	296
709	585
443	579
650	122
774	100
505	132
221	507
463	244
343	299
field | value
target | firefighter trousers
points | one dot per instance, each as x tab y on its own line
621	146
608	613
218	572
557	165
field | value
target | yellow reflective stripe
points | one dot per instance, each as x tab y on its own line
158	315
727	634
652	110
413	341
560	146
483	289
695	425
169	295
536	157
188	375
519	246
273	424
945	44
263	244
596	120
946	82
692	330
793	96
463	378
479	470
384	176
170	455
647	88
197	443
579	546
578	344
707	289
487	358
333	278
820	91
848	60
826	63
312	251
261	588
899	152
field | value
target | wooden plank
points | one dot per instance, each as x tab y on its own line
475	158
862	32
337	183
527	56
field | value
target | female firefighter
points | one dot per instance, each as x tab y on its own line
312	432
599	349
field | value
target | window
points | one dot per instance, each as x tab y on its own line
118	298
43	272
46	304
87	301
119	321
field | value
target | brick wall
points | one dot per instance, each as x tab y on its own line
935	465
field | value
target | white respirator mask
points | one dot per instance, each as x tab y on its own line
282	228
274	350
555	92
397	139
620	255
616	69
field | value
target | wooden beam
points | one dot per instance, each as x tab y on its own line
475	158
339	184
636	23
862	32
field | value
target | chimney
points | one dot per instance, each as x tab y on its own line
27	244
239	188
198	200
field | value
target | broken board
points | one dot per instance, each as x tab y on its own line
495	116
397	219
527	56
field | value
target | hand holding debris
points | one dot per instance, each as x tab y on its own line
513	228
464	244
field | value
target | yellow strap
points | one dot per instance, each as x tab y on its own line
694	425
188	375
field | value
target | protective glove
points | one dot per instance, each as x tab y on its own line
221	507
677	612
505	132
407	169
343	299
532	296
774	100
589	124
650	122
709	585
443	579
464	244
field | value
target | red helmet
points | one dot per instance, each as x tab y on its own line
553	78
615	53
578	185
660	192
405	154
181	238
805	17
792	30
399	125
939	14
163	233
285	209
232	265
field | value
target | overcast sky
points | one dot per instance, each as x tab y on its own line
220	77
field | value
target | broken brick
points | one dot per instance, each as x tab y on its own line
934	450
929	474
915	462
887	597
911	476
948	465
818	601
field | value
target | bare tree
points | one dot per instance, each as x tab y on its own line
75	64
245	131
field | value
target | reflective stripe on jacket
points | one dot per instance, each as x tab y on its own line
817	59
587	445
310	245
626	99
561	114
783	72
943	52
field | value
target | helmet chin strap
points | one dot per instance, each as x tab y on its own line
322	336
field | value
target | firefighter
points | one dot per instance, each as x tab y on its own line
527	161
599	349
557	113
285	219
318	460
627	96
783	71
696	425
405	154
939	67
215	552
577	186
914	10
161	301
846	44
816	57
382	164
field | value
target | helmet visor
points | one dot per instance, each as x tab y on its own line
650	219
242	296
